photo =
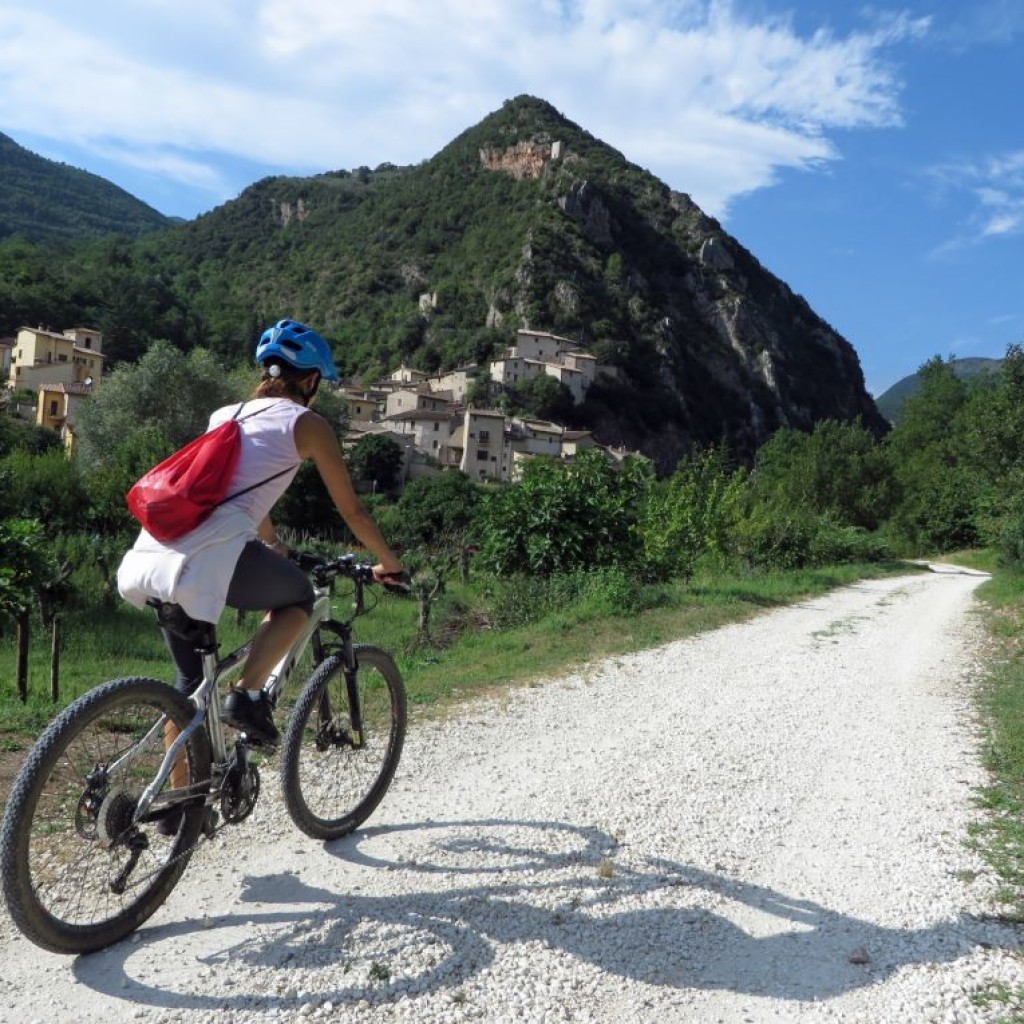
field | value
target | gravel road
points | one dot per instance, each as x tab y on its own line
762	823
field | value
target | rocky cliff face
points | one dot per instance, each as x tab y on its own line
801	368
526	159
736	351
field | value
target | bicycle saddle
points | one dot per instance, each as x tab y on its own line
176	620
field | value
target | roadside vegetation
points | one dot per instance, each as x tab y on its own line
1001	836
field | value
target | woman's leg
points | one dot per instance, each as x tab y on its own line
265	579
189	674
276	633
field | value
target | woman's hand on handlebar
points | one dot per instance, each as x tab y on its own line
395	580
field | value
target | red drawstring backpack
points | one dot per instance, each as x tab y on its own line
181	492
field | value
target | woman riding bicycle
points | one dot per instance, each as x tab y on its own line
234	557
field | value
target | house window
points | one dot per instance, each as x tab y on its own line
53	408
485	437
481	455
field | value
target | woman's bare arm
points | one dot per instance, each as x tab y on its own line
314	439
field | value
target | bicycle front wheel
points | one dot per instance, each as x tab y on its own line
343	743
78	873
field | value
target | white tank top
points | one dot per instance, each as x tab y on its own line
268	448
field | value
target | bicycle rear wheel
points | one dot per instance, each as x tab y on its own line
78	875
333	775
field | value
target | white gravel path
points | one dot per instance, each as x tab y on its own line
763	823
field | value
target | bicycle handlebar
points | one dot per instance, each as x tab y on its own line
325	569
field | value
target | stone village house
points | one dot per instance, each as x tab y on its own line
485	444
62	369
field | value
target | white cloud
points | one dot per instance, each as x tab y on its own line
991	189
983	23
713	103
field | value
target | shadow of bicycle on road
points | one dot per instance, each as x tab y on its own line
564	888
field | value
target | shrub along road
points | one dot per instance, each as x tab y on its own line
764	822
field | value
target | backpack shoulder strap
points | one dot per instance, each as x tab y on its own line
252	487
249	415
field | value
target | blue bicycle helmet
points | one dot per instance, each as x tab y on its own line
299	346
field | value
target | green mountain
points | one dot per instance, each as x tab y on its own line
44	200
527	220
890	403
524	220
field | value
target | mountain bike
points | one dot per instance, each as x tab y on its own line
96	834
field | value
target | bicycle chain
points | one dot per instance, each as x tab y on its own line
207	834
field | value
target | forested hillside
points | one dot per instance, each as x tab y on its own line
43	200
523	220
891	402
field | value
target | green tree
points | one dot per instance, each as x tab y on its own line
44	487
17	435
23	565
546	398
994	430
929	450
562	517
839	470
815	499
107	482
434	509
25	568
376	458
690	514
167	390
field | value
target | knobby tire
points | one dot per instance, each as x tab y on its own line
332	785
64	840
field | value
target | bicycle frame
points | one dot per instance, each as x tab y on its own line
215	668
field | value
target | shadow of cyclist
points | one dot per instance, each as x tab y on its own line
655	921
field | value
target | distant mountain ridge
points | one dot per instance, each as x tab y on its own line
44	200
890	403
523	220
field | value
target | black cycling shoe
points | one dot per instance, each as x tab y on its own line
252	717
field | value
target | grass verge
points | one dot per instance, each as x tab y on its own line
466	659
1001	837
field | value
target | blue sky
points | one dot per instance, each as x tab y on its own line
870	156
